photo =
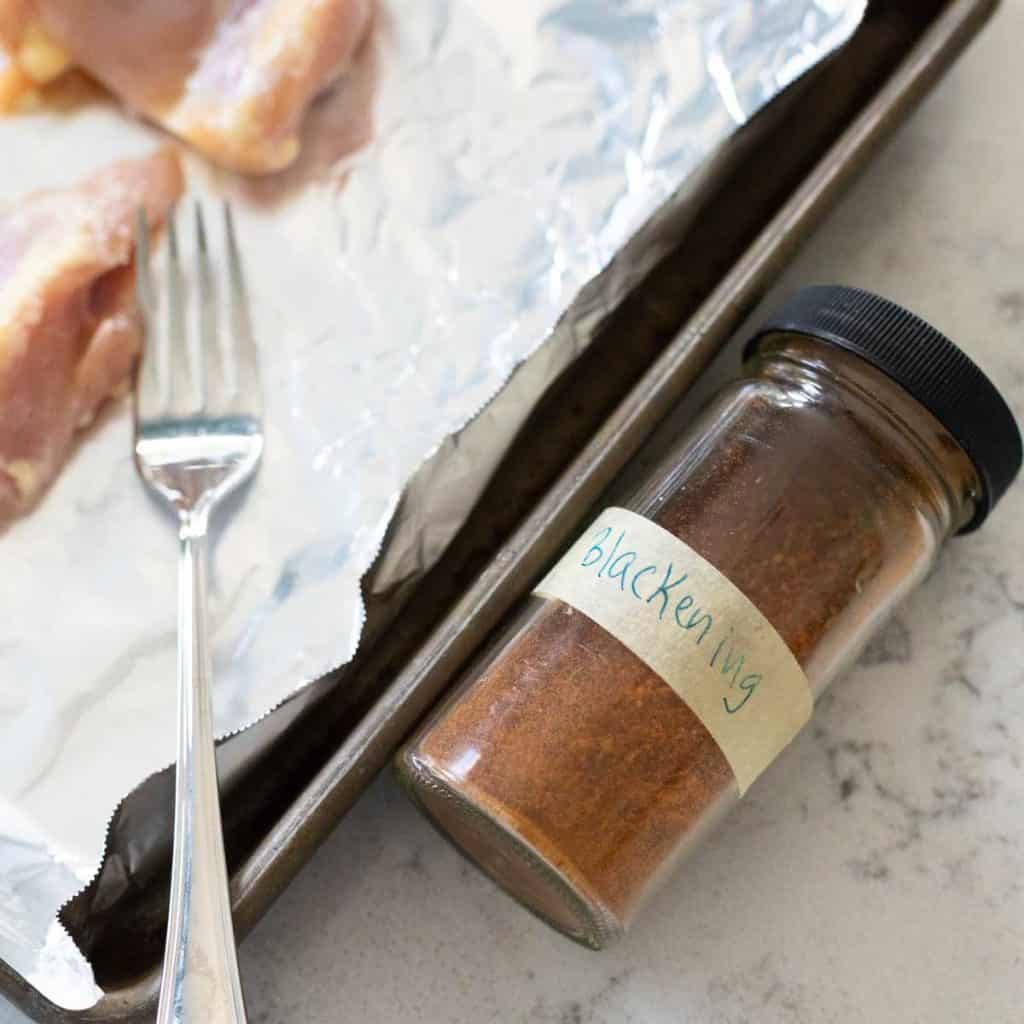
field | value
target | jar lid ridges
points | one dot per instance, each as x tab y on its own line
924	362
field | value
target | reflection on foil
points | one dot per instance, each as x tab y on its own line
515	149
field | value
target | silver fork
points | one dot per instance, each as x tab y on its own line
198	436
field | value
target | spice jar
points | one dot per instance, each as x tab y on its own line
680	643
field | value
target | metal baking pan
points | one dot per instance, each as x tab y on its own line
750	209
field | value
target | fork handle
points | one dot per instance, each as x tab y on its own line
200	983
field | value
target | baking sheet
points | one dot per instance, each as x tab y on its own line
514	152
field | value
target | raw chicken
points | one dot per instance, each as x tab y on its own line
14	84
231	77
69	333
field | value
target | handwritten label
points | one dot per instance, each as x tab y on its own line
677	613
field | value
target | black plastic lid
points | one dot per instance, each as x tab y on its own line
921	360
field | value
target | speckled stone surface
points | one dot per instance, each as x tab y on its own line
876	872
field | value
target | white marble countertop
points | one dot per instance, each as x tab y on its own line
876	872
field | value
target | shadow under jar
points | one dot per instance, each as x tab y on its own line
586	752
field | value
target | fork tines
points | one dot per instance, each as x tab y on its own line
208	366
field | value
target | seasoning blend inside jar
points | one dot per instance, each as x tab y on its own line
680	643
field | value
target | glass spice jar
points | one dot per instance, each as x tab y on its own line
680	643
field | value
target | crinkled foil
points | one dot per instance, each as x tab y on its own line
514	150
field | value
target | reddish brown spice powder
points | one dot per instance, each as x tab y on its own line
570	742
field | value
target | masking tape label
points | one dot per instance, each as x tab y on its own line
694	628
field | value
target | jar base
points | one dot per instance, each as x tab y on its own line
508	859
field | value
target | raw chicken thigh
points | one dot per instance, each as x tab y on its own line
231	77
69	333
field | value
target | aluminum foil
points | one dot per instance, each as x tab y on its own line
469	187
